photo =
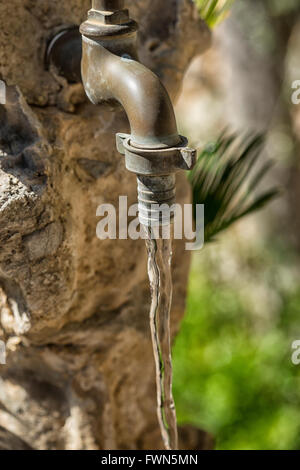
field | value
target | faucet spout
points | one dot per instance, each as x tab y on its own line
107	76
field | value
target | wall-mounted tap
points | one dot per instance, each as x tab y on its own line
154	151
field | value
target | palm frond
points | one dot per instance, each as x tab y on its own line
214	11
225	181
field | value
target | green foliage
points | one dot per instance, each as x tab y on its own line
214	11
233	375
224	182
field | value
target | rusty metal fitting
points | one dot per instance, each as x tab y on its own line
155	170
156	162
108	19
156	199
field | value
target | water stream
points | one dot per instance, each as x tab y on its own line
159	271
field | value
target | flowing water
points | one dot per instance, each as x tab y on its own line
159	270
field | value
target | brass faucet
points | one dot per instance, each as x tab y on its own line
110	71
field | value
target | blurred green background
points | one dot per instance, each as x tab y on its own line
233	372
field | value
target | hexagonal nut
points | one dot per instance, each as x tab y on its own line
110	17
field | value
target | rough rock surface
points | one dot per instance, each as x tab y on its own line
74	310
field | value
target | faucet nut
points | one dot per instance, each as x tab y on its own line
156	162
109	17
